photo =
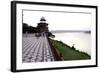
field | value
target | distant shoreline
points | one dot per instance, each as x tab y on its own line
71	31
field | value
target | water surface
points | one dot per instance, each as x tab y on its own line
81	40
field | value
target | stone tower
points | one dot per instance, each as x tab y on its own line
42	26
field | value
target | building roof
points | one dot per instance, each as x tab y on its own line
42	19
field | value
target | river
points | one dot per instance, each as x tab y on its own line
81	40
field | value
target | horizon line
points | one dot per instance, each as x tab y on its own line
60	31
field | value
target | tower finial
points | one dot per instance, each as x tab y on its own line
42	19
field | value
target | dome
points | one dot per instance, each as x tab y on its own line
42	19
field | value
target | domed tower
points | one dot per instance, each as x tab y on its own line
42	26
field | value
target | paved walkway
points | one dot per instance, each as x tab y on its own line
36	49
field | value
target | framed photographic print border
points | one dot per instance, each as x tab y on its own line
14	34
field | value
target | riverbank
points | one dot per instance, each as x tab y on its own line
67	52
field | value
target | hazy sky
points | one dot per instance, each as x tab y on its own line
59	20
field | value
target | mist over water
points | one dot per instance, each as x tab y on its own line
81	40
